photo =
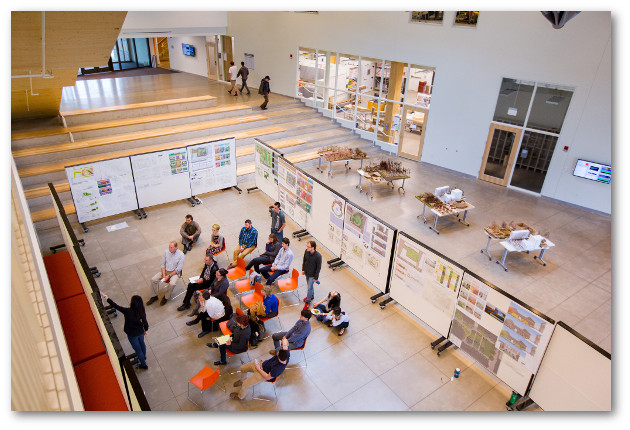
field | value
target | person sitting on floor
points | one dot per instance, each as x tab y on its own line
333	300
280	265
239	339
216	241
272	247
269	369
205	281
190	231
338	318
211	309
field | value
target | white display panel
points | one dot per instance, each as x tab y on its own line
425	283
161	176
366	246
102	188
500	334
325	222
266	176
212	166
593	171
573	376
287	193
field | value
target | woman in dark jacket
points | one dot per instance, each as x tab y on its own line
332	301
241	331
136	326
272	247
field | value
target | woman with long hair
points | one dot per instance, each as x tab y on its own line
136	326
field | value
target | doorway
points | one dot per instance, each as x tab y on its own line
211	50
498	158
412	132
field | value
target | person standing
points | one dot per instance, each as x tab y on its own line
277	221
190	231
243	72
265	91
233	71
136	326
311	265
170	271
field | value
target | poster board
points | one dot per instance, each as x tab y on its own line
212	165
366	245
501	333
575	374
102	188
266	177
161	176
287	192
425	283
325	222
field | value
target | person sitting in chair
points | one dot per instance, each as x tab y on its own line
190	231
163	282
272	247
239	339
205	281
211	309
216	241
280	265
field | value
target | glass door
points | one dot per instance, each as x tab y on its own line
412	132
501	148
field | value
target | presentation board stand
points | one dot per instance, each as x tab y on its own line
212	166
500	332
266	169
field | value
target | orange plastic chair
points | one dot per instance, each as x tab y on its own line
290	284
223	325
272	381
222	249
237	272
254	297
301	348
203	380
244	285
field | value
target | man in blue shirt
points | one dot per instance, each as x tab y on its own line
269	369
280	265
247	241
296	336
277	221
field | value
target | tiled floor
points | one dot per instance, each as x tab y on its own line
384	361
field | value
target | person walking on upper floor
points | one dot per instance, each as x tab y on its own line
205	281
233	72
190	231
311	265
272	247
277	221
296	336
247	242
243	72
264	90
280	265
136	326
163	282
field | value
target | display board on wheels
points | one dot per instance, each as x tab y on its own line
366	245
501	333
161	176
212	166
425	283
575	374
287	192
325	221
266	162
102	188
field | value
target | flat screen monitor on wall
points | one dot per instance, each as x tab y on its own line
593	171
188	50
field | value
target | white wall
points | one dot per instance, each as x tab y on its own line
182	23
196	65
470	64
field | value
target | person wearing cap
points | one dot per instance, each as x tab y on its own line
265	91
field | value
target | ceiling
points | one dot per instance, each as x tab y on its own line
72	40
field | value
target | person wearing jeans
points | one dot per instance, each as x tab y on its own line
311	265
135	327
280	265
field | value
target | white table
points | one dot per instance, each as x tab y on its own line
438	214
526	245
389	181
330	162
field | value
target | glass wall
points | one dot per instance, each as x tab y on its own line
368	94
